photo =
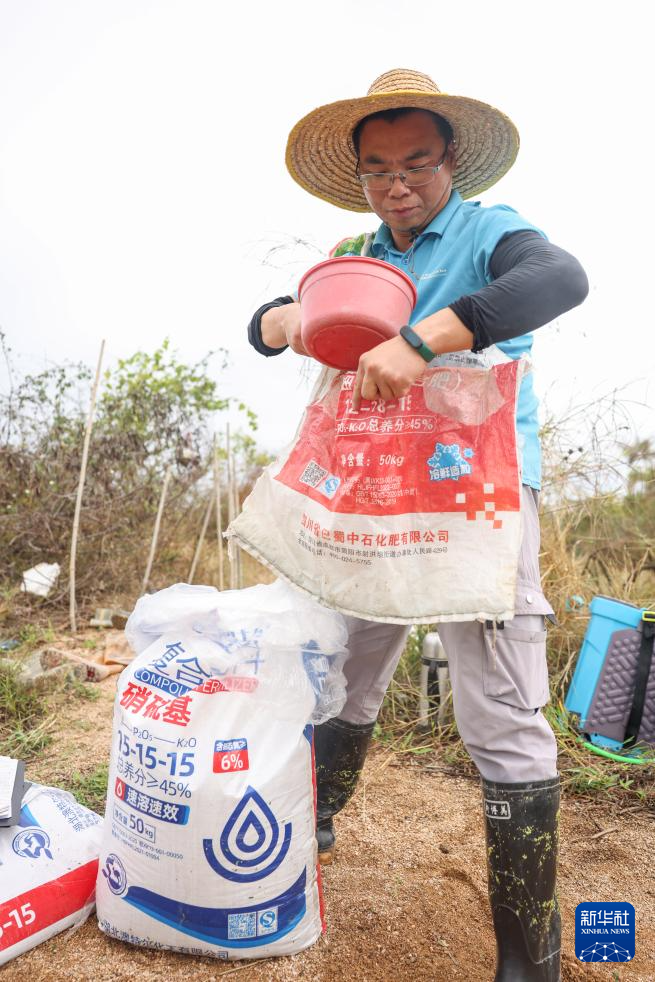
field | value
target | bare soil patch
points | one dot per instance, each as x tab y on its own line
406	898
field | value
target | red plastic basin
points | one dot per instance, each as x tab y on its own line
350	304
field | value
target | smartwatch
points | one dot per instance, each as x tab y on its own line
416	343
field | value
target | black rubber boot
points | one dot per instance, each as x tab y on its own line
522	830
339	752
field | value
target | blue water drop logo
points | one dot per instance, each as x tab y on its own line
252	823
249	838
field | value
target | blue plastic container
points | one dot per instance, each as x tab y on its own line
607	617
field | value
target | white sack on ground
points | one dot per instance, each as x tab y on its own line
48	866
40	579
407	511
209	843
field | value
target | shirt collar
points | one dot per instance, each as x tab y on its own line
383	239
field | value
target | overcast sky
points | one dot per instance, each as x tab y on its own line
143	185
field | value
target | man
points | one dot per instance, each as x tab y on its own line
485	278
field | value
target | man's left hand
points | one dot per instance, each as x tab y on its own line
387	371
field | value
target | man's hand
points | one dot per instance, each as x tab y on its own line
281	325
387	371
390	370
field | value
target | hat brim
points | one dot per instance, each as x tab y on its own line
321	157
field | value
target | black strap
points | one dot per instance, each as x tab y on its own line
641	682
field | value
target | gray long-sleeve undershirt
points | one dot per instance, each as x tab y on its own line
534	282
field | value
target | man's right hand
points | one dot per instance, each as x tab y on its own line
281	325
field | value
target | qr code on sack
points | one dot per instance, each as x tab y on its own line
313	474
242	925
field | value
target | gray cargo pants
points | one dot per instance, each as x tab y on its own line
499	684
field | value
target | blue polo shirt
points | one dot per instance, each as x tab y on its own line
450	259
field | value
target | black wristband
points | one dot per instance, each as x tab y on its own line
255	327
418	344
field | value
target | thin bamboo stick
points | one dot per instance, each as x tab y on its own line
230	510
235	493
201	539
155	533
80	491
219	518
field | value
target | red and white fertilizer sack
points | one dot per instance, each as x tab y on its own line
209	844
407	511
48	867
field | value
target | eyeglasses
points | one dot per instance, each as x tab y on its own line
415	177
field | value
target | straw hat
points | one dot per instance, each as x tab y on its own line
321	157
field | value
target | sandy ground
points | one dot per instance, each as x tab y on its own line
406	898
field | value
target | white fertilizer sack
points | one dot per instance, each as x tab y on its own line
407	510
209	843
48	866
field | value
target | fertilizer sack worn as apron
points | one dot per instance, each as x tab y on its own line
407	511
208	844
